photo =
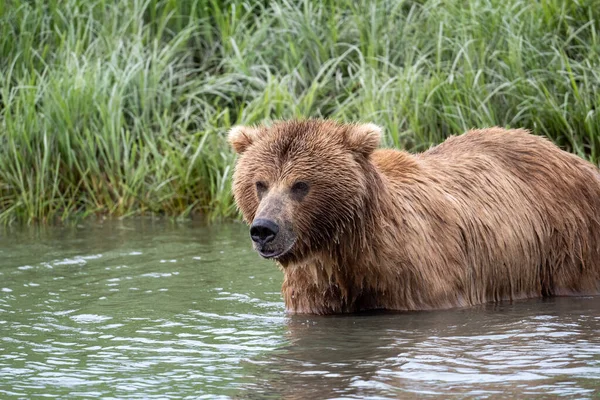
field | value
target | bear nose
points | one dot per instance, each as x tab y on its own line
263	231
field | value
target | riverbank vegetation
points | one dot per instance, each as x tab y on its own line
121	107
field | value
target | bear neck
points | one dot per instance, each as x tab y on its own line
347	276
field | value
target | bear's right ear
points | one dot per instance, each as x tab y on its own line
363	138
241	137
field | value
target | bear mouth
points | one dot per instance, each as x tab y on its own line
270	254
275	254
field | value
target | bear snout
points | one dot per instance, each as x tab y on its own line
272	238
263	231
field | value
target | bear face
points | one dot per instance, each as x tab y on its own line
301	184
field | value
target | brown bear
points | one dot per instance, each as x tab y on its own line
489	215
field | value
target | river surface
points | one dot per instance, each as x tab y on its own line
146	309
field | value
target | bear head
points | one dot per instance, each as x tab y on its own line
302	184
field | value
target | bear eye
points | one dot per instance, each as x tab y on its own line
261	188
299	190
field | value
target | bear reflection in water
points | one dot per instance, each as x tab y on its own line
490	215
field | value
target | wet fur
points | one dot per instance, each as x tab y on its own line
490	215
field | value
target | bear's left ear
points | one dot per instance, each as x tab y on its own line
363	138
241	137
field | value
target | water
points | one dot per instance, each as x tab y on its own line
155	310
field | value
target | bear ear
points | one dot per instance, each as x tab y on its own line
363	138
241	137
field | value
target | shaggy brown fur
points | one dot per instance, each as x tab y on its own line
490	215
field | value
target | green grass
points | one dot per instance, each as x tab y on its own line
121	107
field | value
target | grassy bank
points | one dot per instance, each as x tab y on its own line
121	107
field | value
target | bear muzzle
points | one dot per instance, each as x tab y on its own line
272	230
271	241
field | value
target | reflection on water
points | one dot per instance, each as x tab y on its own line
531	347
144	309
